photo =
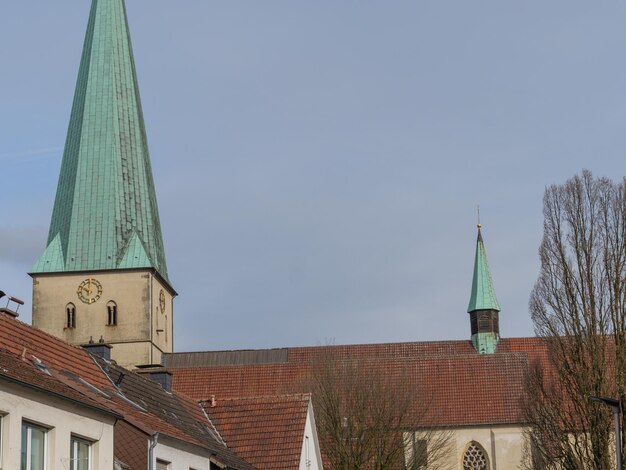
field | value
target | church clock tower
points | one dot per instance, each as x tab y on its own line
103	273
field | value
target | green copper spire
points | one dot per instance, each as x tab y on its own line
105	214
483	294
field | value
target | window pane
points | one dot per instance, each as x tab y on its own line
24	446
33	447
37	448
80	455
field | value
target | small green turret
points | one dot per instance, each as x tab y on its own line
483	306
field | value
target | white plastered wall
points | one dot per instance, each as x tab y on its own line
310	458
503	445
62	419
180	456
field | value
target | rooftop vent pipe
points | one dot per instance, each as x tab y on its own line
10	311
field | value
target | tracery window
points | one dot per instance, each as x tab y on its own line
475	458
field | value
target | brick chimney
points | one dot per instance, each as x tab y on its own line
100	349
157	374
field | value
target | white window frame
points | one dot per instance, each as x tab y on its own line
1	437
74	441
167	464
29	428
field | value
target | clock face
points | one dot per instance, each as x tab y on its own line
90	290
162	301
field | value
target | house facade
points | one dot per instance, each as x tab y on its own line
69	407
46	424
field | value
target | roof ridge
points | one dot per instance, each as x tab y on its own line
302	395
346	345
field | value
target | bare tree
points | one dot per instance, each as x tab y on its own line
369	415
579	305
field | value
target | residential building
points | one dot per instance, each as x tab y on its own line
45	423
62	404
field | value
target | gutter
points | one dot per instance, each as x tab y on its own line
61	396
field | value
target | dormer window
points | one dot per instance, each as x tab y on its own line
70	311
111	313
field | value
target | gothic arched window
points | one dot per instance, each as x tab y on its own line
111	313
70	311
475	457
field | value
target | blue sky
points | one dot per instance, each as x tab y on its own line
318	164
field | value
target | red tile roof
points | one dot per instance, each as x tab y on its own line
74	374
466	387
130	446
266	431
15	336
23	371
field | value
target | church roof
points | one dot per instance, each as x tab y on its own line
467	388
105	214
483	295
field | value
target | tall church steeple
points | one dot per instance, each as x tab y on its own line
105	214
105	223
483	306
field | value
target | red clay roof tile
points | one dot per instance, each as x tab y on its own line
266	431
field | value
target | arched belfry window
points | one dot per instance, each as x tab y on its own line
111	313
70	311
475	457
